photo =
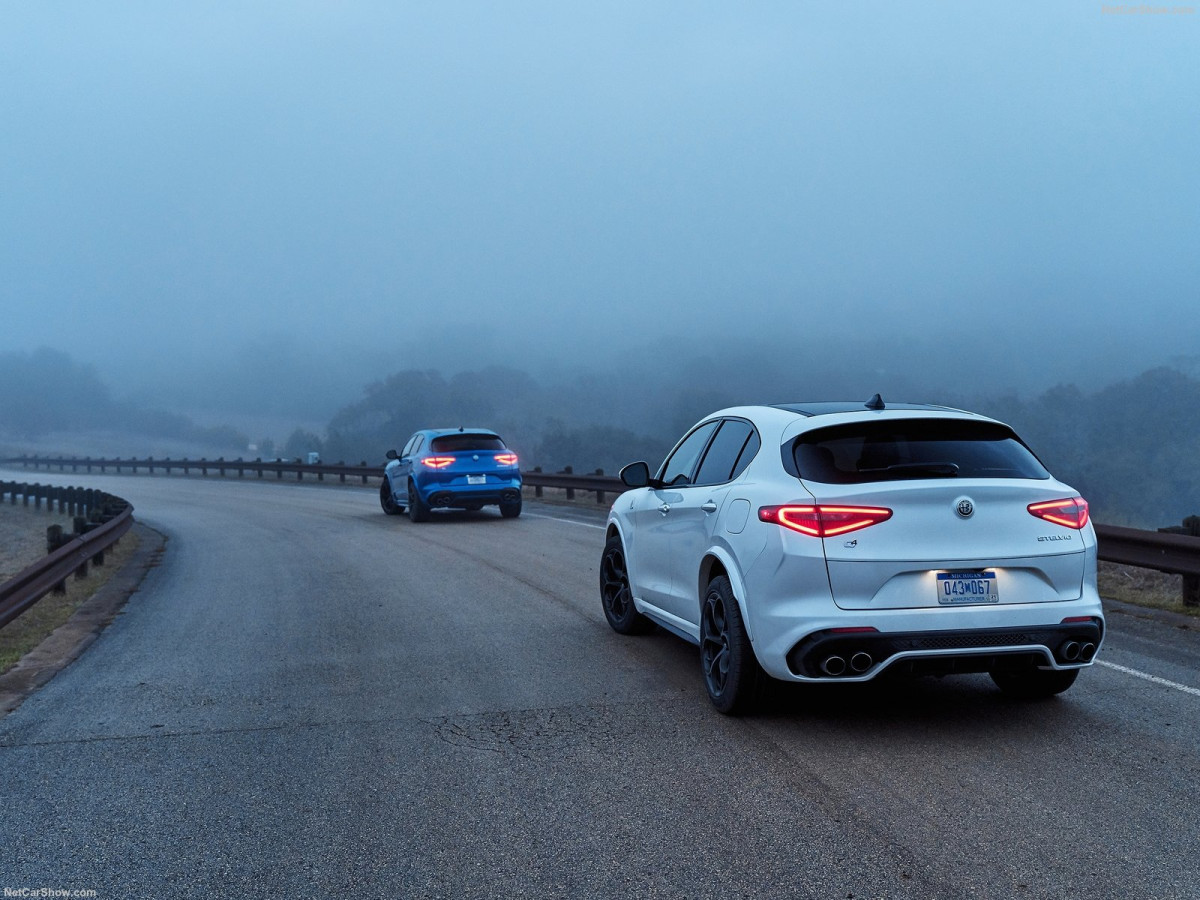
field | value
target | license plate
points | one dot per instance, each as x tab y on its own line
956	588
476	479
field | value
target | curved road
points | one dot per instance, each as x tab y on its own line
310	699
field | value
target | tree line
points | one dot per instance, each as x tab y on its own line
1129	447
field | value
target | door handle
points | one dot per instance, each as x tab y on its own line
709	506
665	508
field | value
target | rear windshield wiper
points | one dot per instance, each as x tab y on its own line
938	470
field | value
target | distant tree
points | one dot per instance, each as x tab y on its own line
47	391
300	443
596	447
1130	449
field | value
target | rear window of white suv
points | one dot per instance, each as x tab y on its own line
904	449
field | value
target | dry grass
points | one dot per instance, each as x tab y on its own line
1144	587
22	543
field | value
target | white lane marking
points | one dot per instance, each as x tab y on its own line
569	521
1195	692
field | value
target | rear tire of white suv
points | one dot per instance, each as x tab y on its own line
732	675
1034	684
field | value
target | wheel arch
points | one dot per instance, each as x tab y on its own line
717	562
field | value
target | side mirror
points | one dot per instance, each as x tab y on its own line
636	475
392	454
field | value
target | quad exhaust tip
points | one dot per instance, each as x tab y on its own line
1070	651
1087	651
834	665
860	662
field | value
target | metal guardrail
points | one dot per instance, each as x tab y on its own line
107	519
221	466
599	484
1176	554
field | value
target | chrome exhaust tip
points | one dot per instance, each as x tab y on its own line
1070	651
834	665
860	662
1087	651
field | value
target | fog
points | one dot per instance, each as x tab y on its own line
256	210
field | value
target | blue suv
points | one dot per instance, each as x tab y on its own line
466	468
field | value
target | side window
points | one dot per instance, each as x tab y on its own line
408	448
677	470
418	440
748	453
725	452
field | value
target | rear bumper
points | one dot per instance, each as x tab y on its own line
437	495
793	640
832	654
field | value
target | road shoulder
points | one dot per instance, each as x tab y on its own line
67	642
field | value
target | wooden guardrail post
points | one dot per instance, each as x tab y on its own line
364	464
537	491
569	470
600	494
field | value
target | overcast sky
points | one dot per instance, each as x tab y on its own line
1013	183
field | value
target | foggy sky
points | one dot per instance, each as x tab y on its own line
1011	187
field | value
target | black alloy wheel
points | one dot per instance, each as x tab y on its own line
732	674
386	500
615	595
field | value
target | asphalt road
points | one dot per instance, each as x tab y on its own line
311	699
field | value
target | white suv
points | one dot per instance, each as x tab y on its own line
835	542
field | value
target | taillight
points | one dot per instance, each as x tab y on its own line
824	521
506	459
437	462
1072	512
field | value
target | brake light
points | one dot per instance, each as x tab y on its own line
824	521
506	459
437	462
1072	512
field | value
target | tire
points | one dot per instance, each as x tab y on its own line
615	596
417	510
510	510
386	500
732	675
1033	684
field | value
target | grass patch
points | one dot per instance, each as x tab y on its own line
1144	587
30	628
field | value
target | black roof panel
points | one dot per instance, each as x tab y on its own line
828	407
